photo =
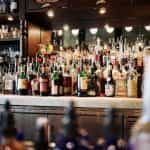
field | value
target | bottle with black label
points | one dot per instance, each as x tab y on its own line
60	82
92	86
109	86
22	83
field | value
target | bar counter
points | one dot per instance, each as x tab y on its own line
91	112
85	102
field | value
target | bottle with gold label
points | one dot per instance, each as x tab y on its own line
82	83
22	82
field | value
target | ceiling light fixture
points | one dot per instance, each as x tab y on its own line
51	13
102	10
66	27
75	32
109	29
147	28
93	31
10	18
129	28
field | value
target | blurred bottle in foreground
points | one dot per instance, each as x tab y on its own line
8	130
140	139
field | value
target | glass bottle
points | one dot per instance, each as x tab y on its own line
35	85
44	81
110	85
55	82
82	82
60	82
22	83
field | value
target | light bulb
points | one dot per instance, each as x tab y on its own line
66	27
93	31
102	10
10	18
75	32
109	29
51	13
60	32
147	28
129	28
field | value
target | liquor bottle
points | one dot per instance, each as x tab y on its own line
132	83
67	84
44	81
41	141
22	82
82	82
92	83
35	85
55	82
110	85
9	85
8	130
13	6
60	82
121	83
68	137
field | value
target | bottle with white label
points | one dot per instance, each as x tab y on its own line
82	82
110	85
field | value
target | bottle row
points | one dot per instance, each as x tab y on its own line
62	74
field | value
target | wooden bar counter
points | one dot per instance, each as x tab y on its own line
91	112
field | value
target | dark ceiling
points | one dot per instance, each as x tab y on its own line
84	13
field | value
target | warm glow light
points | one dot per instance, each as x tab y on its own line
50	13
66	27
147	28
102	10
129	28
109	29
10	18
75	32
93	31
60	32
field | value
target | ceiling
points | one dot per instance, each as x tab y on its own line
84	13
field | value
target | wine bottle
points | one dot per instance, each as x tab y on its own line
22	82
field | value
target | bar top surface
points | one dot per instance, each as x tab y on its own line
86	102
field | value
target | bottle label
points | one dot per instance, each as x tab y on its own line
54	88
22	84
9	85
91	93
43	85
109	90
35	85
132	88
67	90
121	88
83	83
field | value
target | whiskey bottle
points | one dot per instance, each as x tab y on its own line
92	84
22	82
44	81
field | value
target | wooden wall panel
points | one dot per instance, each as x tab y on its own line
36	36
